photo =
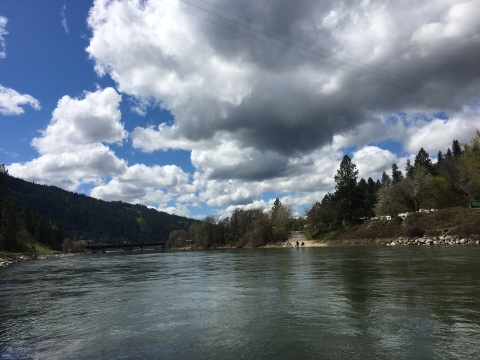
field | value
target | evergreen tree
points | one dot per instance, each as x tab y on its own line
422	160
439	157
365	199
386	181
345	191
397	175
456	149
409	169
371	197
276	207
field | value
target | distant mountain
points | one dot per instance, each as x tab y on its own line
84	217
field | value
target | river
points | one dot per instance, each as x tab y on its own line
352	302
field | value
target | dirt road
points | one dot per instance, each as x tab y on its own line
295	236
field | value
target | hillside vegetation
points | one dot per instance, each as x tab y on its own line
459	221
83	217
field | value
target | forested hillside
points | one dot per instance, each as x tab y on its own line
83	217
21	229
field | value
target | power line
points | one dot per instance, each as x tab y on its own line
318	47
316	60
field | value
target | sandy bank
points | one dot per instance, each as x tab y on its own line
295	236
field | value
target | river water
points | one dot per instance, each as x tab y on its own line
355	302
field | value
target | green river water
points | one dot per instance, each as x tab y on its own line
352	302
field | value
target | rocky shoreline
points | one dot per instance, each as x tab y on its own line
8	260
433	240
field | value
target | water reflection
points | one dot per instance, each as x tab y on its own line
336	302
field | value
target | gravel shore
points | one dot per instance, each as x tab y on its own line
8	260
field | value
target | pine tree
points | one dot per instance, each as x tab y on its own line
345	191
276	206
397	175
439	157
386	181
456	149
422	160
409	169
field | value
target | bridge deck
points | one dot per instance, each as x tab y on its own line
103	247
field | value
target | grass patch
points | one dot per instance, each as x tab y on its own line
40	249
323	235
307	234
370	229
8	253
30	249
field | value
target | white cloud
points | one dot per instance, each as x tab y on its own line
70	169
459	26
3	31
163	138
71	149
11	101
145	185
64	19
228	160
78	122
372	161
256	118
179	210
436	134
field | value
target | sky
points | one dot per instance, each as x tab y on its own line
197	107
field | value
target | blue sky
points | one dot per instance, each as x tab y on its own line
196	114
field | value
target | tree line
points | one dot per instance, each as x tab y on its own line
252	227
451	181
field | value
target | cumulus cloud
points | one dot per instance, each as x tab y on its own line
71	148
272	118
70	169
371	161
216	81
79	122
228	161
180	210
434	134
145	185
457	28
11	101
260	119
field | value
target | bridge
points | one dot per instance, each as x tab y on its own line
104	247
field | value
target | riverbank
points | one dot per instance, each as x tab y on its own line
299	236
402	240
6	260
